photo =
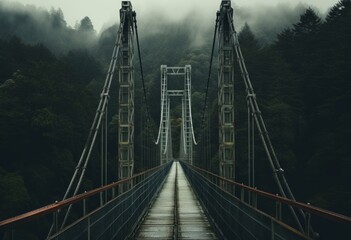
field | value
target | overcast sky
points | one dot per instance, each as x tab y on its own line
107	11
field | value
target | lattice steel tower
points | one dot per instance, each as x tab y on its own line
126	94
187	132
226	93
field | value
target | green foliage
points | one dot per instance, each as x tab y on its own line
13	194
84	65
45	113
318	53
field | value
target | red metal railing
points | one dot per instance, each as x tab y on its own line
37	213
306	207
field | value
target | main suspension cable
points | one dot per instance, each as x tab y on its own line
205	107
148	116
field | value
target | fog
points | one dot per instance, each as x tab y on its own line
60	29
266	22
107	11
36	25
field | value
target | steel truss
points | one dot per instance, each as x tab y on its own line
226	94
187	131
126	94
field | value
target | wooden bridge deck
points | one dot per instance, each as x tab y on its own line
176	213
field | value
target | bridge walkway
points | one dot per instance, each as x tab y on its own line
176	212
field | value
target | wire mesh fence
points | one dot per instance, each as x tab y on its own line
114	219
233	217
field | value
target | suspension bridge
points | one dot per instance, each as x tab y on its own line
176	199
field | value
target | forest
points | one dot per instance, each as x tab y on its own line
51	76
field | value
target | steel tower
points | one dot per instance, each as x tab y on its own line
126	94
187	133
226	93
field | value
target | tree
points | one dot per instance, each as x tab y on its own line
45	113
86	25
309	24
247	39
57	19
13	194
340	10
85	66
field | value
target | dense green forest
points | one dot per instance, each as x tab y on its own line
50	83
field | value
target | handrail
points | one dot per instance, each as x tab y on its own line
308	208
34	214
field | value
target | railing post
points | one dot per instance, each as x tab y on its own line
272	229
278	210
55	220
308	222
113	192
84	206
101	199
88	228
254	198
119	189
242	193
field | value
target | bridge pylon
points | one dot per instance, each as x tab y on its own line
187	138
226	93
126	94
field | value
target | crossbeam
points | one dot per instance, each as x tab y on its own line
175	93
175	71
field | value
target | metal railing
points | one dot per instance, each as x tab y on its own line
224	203
116	219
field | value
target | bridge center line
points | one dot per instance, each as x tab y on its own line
176	213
